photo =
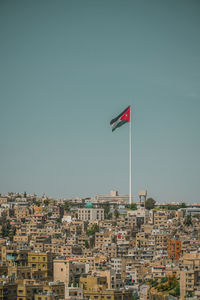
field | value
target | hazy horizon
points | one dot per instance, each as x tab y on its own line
69	67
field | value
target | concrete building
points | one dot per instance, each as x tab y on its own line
41	264
113	197
174	249
68	271
190	276
90	214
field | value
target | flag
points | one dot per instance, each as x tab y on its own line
121	119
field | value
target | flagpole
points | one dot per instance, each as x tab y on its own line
130	161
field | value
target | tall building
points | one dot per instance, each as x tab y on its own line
174	249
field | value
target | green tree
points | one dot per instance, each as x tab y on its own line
37	203
190	294
66	206
6	229
91	231
46	202
116	214
106	208
150	203
58	220
87	244
188	220
133	206
164	279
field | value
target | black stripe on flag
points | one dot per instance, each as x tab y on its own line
118	117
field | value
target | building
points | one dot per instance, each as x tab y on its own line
113	197
108	295
174	249
190	276
68	271
88	214
41	263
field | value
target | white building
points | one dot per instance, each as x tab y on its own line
87	214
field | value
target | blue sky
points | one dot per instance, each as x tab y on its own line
69	67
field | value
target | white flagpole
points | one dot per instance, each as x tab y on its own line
130	161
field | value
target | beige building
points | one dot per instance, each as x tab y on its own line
21	212
160	219
190	276
68	271
87	214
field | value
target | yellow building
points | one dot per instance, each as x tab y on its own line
46	296
20	272
26	289
56	288
108	295
91	283
41	263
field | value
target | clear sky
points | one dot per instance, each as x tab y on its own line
68	67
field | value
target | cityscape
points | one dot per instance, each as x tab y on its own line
99	150
98	248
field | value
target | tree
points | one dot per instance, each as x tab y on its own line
133	206
91	231
87	244
46	202
6	229
164	279
58	220
37	203
116	214
106	208
150	203
188	220
66	206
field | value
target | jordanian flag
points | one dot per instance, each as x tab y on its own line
121	119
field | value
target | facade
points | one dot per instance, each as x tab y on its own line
108	295
174	249
90	214
41	264
68	272
130	253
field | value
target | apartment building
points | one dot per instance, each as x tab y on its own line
174	249
68	271
87	214
41	263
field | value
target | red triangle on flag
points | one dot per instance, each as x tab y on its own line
126	115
